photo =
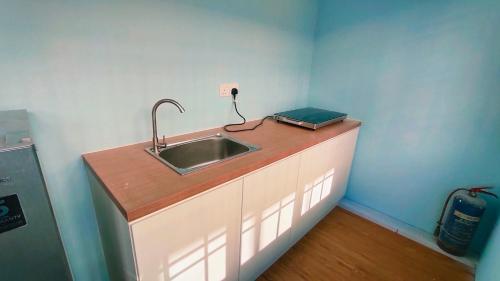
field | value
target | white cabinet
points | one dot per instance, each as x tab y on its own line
345	145
284	200
322	179
196	240
267	214
233	231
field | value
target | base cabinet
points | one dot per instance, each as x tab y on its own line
344	148
196	240
267	214
322	180
234	231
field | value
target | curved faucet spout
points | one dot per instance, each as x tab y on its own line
156	143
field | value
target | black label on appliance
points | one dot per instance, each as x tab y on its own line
11	213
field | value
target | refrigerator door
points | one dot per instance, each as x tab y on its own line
30	246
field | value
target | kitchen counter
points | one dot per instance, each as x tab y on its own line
140	184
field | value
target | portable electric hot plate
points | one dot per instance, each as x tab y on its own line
310	117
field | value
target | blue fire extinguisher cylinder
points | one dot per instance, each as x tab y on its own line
461	221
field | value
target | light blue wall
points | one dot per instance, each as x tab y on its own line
90	71
489	268
424	77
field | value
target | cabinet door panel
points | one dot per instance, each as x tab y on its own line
344	153
323	175
196	240
267	214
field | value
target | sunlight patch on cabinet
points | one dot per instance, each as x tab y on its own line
317	191
286	213
248	244
274	221
204	259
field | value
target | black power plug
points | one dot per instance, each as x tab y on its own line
234	92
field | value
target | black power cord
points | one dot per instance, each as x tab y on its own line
234	92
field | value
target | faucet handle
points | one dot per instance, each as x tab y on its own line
164	144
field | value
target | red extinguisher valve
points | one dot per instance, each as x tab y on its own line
482	189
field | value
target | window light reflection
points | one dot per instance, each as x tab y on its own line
204	259
316	191
274	221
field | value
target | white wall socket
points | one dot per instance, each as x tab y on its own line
225	89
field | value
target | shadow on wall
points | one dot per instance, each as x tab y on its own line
286	20
488	268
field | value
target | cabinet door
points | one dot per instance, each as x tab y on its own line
195	240
267	214
344	148
323	175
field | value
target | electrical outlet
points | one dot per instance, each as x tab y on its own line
225	89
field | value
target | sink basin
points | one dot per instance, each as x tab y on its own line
188	156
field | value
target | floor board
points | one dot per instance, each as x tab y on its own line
344	246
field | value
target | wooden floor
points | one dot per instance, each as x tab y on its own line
345	246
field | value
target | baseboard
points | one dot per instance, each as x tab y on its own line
402	228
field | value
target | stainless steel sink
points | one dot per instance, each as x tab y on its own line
188	156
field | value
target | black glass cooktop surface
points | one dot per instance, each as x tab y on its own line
310	117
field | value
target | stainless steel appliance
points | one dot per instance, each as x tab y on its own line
30	245
310	117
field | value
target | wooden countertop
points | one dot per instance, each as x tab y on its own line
140	184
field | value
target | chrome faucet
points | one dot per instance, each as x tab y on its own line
156	143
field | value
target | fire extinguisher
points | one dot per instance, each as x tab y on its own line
455	232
